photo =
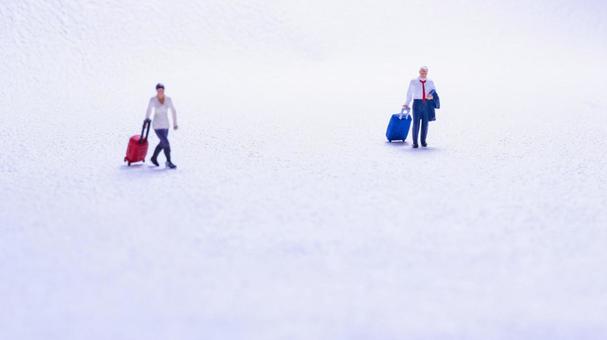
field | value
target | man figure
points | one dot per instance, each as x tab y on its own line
423	104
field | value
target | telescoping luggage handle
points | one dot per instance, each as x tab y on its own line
402	113
146	128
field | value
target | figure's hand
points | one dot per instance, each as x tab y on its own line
175	127
429	97
405	112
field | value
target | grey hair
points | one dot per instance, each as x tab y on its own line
425	68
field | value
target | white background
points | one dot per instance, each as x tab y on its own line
289	216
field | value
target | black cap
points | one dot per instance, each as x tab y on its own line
159	86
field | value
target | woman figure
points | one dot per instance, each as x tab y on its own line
161	105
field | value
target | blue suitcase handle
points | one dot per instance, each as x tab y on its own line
403	111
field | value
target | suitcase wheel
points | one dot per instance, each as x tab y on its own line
129	163
389	141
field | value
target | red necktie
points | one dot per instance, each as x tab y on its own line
423	89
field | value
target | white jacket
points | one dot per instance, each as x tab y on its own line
161	116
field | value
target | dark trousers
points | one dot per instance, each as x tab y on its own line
420	119
163	135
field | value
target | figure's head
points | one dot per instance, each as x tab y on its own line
423	71
160	90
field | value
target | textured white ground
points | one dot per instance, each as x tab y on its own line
290	217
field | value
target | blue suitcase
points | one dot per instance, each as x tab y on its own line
398	128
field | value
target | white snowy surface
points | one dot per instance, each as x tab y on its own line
289	216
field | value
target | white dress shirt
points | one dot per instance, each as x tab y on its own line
161	116
415	89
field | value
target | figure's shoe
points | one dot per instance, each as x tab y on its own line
171	165
424	144
415	146
154	158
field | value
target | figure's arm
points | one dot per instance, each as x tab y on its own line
174	113
432	88
148	112
436	97
409	96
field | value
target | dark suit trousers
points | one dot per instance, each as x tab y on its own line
420	119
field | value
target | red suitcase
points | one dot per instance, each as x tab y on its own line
138	145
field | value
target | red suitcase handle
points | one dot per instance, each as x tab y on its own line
146	128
